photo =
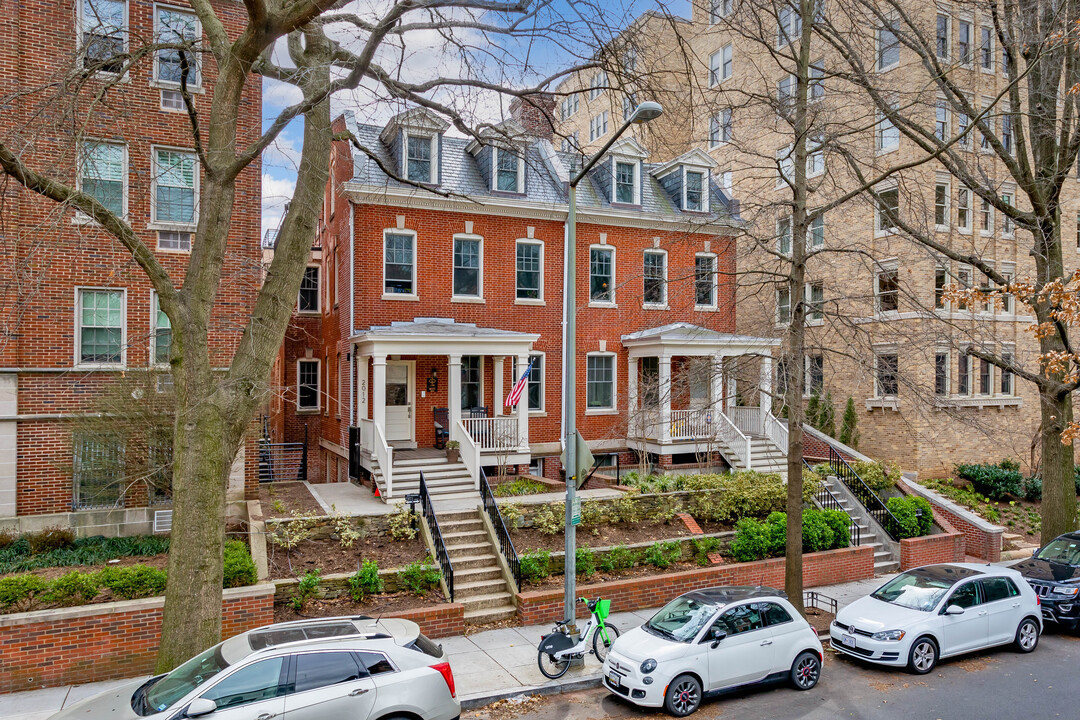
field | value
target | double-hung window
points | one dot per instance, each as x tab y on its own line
986	378
598	85
888	47
941	372
986	217
720	128
963	41
887	367
705	281
942	36
783	306
788	25
817	232
568	107
817	80
468	266
602	274
963	209
719	9
100	315
507	171
783	234
963	374
1007	133
654	274
986	49
941	120
694	189
176	27
814	375
471	385
815	301
785	94
815	158
535	387
418	158
160	333
888	290
888	209
103	175
529	270
104	34
600	382
941	206
598	126
307	384
626	183
941	279
308	300
175	181
399	264
888	135
720	65
1007	222
1006	375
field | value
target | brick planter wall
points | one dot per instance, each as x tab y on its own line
436	621
981	538
832	566
107	641
930	549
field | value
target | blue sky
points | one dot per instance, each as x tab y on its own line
423	58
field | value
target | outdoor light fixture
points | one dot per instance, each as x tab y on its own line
433	380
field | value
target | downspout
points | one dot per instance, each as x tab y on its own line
562	334
353	420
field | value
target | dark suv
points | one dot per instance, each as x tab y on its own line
1054	573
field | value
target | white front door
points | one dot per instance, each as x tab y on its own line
399	401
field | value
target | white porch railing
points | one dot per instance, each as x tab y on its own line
470	452
493	433
735	439
776	431
384	454
747	419
691	424
367	433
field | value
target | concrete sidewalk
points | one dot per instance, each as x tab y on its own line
487	666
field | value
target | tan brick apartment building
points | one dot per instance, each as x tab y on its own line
884	337
78	316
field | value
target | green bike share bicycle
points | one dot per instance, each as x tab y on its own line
557	649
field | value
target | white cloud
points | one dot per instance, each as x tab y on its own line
276	192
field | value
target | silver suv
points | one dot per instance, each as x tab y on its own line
346	667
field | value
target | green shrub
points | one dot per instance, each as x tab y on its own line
365	581
20	591
419	577
849	432
906	510
521	486
584	561
996	482
703	547
239	567
742	494
873	474
1032	488
593	515
840	523
49	539
550	518
134	581
511	514
822	530
625	508
816	532
751	541
403	524
306	588
535	565
663	554
74	588
617	558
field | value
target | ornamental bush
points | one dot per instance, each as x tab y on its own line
134	581
74	588
535	565
239	567
619	557
822	530
419	577
365	581
663	554
996	482
873	474
906	510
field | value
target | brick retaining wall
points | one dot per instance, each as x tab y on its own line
832	566
981	538
930	549
436	621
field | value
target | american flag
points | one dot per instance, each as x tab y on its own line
519	386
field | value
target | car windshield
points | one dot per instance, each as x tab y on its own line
917	592
1062	551
682	619
184	679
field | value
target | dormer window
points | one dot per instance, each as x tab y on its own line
418	156
694	190
508	171
626	185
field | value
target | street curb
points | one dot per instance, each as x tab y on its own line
479	700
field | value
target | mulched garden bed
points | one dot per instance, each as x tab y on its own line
329	557
609	535
373	605
51	573
556	581
279	499
819	619
1016	516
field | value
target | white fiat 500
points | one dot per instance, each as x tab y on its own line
709	641
938	611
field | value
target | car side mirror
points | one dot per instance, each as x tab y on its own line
716	635
200	707
954	610
1035	551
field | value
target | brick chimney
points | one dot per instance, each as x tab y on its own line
535	113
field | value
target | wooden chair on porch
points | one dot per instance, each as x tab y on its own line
442	426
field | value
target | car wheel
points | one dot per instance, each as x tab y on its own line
599	645
806	670
923	656
683	696
1027	636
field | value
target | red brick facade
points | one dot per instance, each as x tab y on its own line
944	547
832	566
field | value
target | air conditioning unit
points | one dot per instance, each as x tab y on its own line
162	521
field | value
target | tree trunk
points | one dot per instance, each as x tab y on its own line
1059	488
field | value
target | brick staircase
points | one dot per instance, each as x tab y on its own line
479	583
884	561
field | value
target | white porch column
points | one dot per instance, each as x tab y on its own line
665	398
362	388
498	372
378	392
453	400
522	406
765	389
716	383
729	379
635	422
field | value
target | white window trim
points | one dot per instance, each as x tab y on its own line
415	294
939	103
530	301
433	170
778	321
520	189
991	125
616	160
318	387
81	218
892	265
612	303
542	411
1008	225
1008	269
942	350
480	368
971	379
479	297
990	230
598	84
79	24
961	268
877	51
197	175
155	81
808	294
598	129
718	117
948	205
318	294
663	304
965	229
878	232
977	377
715	282
879	136
155	307
810	246
820	150
614	409
973	42
948	34
993	50
806	389
1007	348
79	289
780	235
878	352
704	172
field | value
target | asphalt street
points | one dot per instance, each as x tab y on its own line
998	684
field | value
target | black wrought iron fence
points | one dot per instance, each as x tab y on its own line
283	462
873	504
828	501
442	556
506	545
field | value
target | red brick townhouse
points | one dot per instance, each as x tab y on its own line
78	319
422	306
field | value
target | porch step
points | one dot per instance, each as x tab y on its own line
453	539
482	616
467	549
459	516
489	600
468	575
883	567
423	462
460	526
479	588
476	561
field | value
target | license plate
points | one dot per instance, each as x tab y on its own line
614	679
848	640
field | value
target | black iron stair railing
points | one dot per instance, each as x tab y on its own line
442	556
506	545
873	504
828	501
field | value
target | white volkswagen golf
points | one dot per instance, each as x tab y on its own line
937	611
709	641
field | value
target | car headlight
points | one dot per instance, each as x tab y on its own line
648	666
1067	591
888	635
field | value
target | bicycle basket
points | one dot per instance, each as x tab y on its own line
603	607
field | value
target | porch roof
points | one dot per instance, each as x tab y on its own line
685	339
441	336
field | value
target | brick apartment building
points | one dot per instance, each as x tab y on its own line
887	339
416	301
78	318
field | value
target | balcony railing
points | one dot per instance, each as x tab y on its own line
494	434
692	424
747	419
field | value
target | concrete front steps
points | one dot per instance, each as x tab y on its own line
884	562
1016	547
445	480
479	583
